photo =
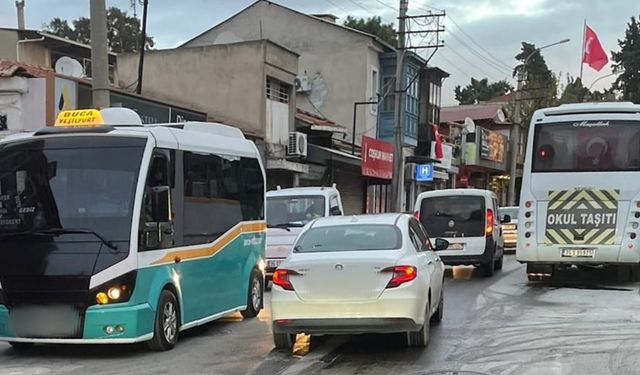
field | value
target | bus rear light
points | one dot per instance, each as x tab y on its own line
527	214
633	236
489	223
630	246
638	204
637	215
527	234
528	204
527	244
528	224
634	225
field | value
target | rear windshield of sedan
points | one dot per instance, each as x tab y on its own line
349	238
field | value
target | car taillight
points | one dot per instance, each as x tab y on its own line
489	223
401	275
281	278
416	215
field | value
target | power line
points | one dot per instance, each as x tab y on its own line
478	44
484	59
472	64
464	72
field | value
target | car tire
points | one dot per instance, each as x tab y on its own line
284	340
166	327
436	318
498	265
255	296
420	339
21	346
488	269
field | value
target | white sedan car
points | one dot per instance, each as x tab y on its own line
359	274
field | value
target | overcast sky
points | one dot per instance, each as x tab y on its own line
497	25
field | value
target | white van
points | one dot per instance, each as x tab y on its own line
288	211
470	220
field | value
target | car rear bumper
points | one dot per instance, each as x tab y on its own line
459	260
345	325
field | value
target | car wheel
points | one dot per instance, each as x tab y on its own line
498	265
488	269
254	297
420	338
167	323
284	340
21	346
439	314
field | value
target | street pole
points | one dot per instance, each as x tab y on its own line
398	156
99	54
515	139
355	112
515	129
143	43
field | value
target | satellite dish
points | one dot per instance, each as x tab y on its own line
69	67
469	125
501	116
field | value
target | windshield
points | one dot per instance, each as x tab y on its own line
587	146
69	182
349	238
453	216
294	210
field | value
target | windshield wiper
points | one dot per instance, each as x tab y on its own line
59	231
284	226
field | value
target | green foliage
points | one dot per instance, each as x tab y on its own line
123	31
627	63
373	26
481	90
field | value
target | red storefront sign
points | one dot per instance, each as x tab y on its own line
377	158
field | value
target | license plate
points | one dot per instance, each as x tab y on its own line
455	246
578	253
274	263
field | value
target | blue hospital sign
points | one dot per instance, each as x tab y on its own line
424	172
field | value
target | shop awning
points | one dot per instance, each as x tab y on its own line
322	155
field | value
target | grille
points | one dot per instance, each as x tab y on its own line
46	321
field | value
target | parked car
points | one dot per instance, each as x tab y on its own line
509	228
359	274
288	211
469	220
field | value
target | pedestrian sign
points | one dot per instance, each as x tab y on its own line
424	172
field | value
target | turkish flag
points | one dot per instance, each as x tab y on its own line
593	54
438	140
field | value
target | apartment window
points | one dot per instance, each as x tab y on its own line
411	84
278	91
388	103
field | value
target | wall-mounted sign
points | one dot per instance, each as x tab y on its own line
492	145
424	172
377	158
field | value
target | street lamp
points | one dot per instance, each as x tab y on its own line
515	129
599	78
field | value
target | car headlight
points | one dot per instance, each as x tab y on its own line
118	290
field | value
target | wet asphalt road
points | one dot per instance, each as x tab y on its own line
586	323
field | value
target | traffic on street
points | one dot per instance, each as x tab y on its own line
294	187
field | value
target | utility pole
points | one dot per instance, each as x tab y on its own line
143	43
515	139
99	54
397	183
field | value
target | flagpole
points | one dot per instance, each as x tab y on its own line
584	28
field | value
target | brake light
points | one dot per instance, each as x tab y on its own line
489	223
416	215
281	278
401	275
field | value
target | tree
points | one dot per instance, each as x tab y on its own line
628	63
480	90
373	26
123	31
574	91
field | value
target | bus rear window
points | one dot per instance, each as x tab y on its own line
587	146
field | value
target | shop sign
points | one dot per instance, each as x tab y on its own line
424	172
377	158
492	145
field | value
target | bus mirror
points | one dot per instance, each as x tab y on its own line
161	204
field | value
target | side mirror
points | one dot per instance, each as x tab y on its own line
335	211
441	244
505	219
161	204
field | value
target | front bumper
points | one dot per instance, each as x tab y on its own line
137	321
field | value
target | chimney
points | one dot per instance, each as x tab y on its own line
20	8
327	17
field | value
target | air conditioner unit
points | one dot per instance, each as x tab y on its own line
302	84
297	146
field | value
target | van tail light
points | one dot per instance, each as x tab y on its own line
416	215
401	275
489	223
281	278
